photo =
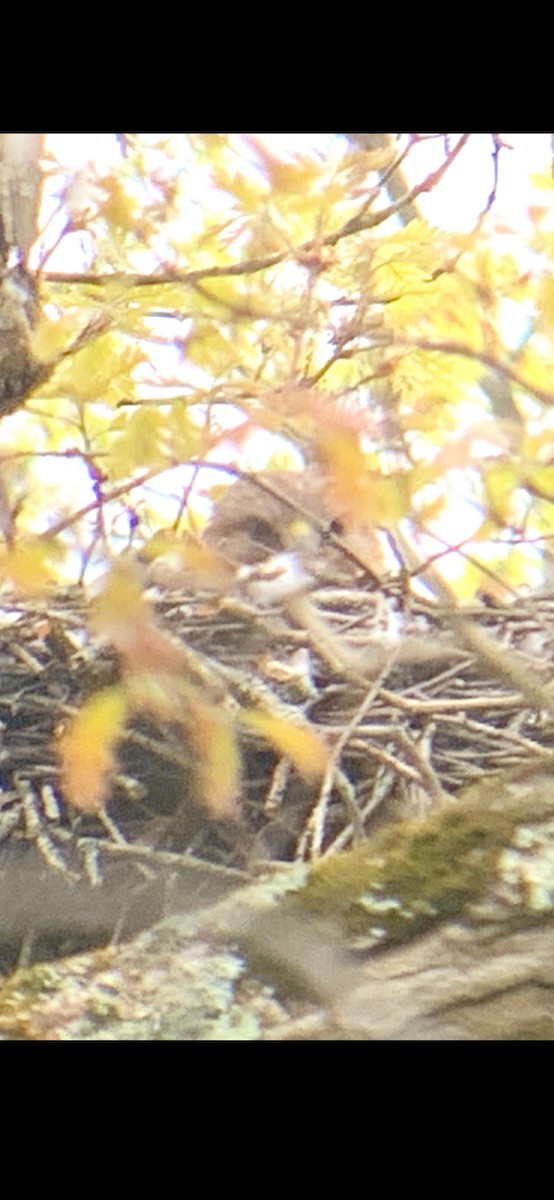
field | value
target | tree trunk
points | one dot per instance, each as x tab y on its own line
20	181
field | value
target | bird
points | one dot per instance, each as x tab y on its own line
277	522
270	538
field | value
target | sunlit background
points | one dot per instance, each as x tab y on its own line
455	204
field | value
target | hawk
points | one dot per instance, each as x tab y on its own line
281	514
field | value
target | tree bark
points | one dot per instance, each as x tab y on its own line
20	182
462	952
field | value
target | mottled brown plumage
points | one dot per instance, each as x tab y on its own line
285	511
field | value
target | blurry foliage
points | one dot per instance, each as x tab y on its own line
238	293
163	680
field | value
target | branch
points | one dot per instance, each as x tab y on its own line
357	225
254	265
459	348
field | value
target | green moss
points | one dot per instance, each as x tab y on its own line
462	864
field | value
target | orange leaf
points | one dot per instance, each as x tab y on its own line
354	492
214	742
299	742
87	749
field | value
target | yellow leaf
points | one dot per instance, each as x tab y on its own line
501	481
541	479
52	336
297	741
121	604
29	567
545	182
406	260
87	749
545	303
536	368
141	441
123	616
297	174
101	370
118	206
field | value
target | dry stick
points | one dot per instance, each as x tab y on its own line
510	669
334	651
154	857
428	776
317	821
316	824
444	706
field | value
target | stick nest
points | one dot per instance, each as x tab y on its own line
429	717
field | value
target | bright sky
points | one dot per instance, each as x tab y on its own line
454	204
460	196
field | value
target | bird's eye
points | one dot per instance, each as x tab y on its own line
262	533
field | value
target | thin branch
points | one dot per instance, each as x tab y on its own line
254	265
459	348
357	225
113	494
